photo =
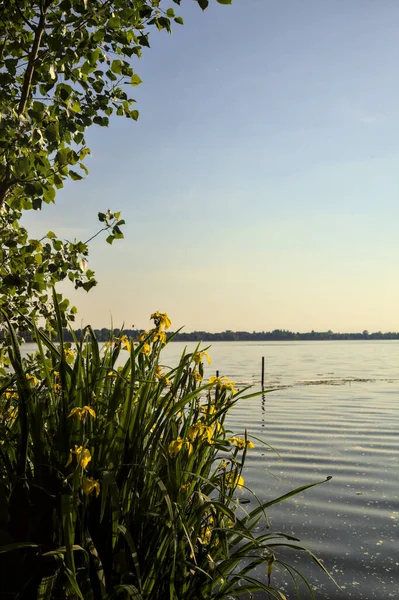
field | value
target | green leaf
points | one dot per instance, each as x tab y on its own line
62	156
99	36
116	66
84	168
110	239
11	65
135	80
78	138
86	68
52	132
84	152
58	181
163	23
39	259
102	121
179	20
38	107
64	91
88	285
17	546
74	175
22	166
93	56
114	23
49	194
143	41
75	106
224	1
57	245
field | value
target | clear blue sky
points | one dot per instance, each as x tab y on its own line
260	185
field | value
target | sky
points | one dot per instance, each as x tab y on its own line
260	185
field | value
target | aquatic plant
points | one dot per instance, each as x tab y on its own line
120	479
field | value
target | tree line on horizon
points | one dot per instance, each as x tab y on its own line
105	334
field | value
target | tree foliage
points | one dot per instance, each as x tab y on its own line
64	66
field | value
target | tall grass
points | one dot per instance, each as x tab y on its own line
122	481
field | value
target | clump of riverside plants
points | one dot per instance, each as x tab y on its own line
119	479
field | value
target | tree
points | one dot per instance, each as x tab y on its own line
64	66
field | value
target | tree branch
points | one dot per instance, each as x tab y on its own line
6	184
24	18
26	86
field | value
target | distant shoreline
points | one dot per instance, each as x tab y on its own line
277	335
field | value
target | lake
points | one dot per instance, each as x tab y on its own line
338	415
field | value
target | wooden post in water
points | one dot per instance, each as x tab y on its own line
263	372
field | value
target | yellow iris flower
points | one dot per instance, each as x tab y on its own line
161	376
185	486
224	383
177	445
208	409
240	442
201	431
90	485
124	340
218	427
142	336
83	456
12	413
199	356
69	355
146	349
81	413
32	379
234	480
159	335
161	320
205	536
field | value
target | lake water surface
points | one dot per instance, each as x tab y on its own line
339	417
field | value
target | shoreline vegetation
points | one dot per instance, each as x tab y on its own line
124	482
277	335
